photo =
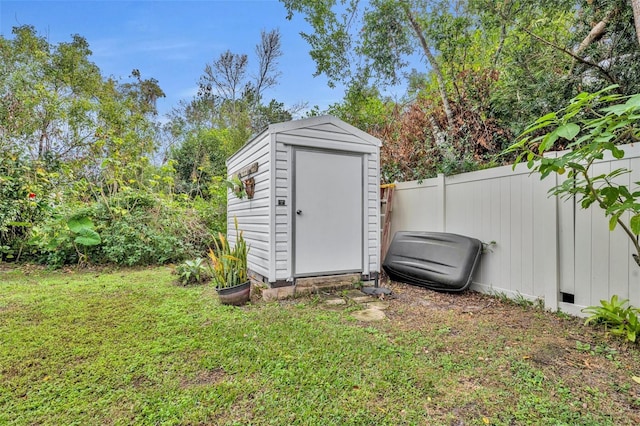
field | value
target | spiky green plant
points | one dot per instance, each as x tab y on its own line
229	265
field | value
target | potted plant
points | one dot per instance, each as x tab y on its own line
229	269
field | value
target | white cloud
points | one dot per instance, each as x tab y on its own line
118	47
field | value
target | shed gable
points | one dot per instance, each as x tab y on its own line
326	132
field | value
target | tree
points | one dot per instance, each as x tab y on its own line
551	51
48	104
389	32
228	109
228	87
199	158
273	112
607	49
635	4
57	107
532	76
592	125
125	134
426	49
364	107
473	62
144	93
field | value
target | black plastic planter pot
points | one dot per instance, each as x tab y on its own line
236	295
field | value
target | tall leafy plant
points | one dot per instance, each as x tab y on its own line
591	126
229	264
84	231
84	234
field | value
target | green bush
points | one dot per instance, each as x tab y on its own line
51	243
130	228
81	223
139	228
212	212
24	201
134	239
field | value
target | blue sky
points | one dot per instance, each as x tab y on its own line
172	41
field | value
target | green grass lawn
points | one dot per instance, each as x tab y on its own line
131	347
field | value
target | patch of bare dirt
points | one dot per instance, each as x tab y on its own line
487	330
582	358
4	267
141	382
418	296
204	378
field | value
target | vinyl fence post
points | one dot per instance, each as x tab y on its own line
442	201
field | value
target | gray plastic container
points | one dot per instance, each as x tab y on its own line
436	260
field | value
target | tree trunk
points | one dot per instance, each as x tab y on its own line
432	61
503	36
437	133
41	147
43	141
596	32
635	4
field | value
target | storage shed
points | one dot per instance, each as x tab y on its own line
312	206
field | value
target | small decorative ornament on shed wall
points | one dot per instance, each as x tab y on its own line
249	187
248	184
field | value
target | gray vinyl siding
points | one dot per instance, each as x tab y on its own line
253	215
326	136
373	211
283	228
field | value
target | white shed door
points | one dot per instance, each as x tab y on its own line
327	212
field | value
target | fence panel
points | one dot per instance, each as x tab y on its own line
544	247
417	206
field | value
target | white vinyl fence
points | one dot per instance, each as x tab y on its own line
544	247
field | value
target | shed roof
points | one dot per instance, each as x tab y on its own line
319	122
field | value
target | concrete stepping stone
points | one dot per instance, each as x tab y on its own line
378	304
369	315
363	299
